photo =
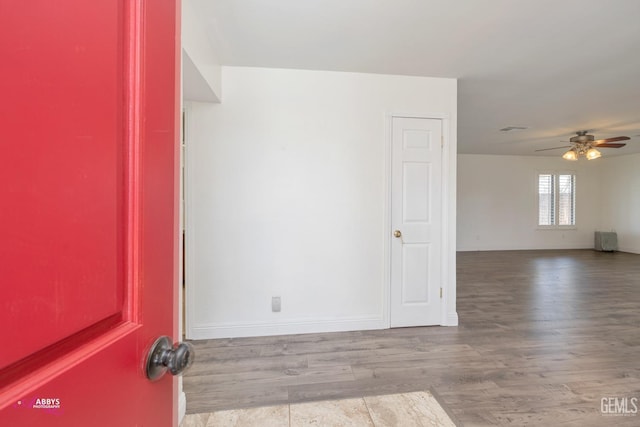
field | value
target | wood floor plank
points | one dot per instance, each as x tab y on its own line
273	377
543	337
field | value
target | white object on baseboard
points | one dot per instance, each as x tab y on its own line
606	241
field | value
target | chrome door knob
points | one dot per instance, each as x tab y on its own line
164	356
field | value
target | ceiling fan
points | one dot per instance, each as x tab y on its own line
585	145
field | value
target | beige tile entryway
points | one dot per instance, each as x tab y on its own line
406	409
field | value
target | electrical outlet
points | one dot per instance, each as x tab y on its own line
276	304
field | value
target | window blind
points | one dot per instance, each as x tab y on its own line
556	199
546	199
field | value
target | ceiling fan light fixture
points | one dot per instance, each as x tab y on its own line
585	145
592	153
570	155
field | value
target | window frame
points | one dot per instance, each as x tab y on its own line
556	183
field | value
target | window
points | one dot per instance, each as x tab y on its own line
556	199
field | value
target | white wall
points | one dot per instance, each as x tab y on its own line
497	205
200	66
288	199
620	200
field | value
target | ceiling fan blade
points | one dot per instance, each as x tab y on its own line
607	145
555	148
614	139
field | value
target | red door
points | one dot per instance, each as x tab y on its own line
89	219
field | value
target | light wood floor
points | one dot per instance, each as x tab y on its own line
543	337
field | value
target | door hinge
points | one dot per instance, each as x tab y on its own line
440	292
442	141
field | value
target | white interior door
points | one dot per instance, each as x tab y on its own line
416	222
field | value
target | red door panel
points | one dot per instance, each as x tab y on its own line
88	221
64	166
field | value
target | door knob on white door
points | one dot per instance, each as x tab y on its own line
397	234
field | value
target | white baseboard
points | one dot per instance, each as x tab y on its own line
629	250
294	327
452	319
182	406
488	248
241	330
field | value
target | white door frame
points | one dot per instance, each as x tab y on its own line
448	211
184	114
189	234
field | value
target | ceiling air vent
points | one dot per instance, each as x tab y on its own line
513	128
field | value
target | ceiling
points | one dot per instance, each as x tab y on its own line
551	66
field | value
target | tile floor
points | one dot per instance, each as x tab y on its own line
406	410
